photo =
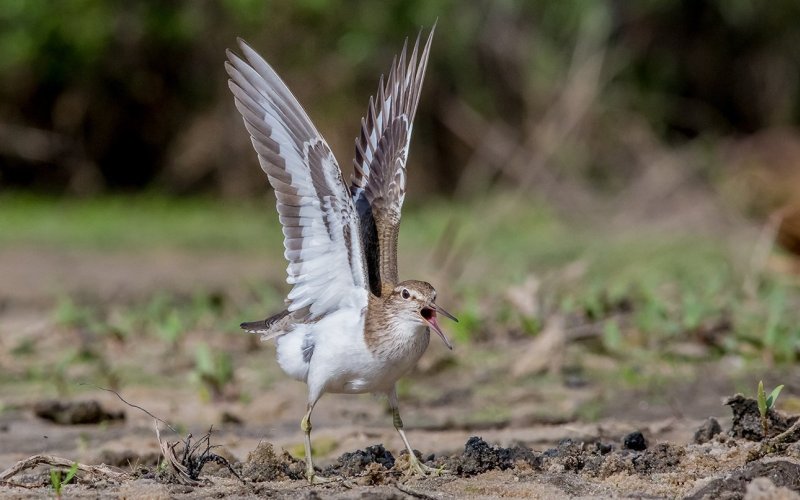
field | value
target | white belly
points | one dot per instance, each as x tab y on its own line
341	361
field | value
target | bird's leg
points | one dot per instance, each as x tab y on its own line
415	466
305	425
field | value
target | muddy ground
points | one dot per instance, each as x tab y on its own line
573	433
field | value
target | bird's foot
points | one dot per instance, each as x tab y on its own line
415	467
313	478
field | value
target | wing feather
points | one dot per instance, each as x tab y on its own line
378	185
320	224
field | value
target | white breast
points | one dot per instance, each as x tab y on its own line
342	362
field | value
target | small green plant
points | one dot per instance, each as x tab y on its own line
70	314
57	482
213	369
171	328
765	403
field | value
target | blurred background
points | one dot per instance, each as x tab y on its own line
607	193
104	98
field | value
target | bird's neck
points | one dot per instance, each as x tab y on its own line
387	227
392	335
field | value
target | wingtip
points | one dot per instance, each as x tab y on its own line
230	56
243	45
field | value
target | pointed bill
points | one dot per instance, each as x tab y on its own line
433	323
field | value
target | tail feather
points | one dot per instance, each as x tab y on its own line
264	327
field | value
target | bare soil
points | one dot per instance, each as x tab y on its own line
572	434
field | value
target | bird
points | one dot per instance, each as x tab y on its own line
350	325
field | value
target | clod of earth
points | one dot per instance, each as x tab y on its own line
569	456
75	412
707	431
263	464
479	457
358	462
635	441
662	457
747	419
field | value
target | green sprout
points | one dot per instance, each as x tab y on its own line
56	482
766	403
213	369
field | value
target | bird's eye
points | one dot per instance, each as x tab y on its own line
405	294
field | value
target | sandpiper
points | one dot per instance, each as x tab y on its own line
350	326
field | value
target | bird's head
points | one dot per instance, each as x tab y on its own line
416	301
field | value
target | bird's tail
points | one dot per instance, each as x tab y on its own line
267	328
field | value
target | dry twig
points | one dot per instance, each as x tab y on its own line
190	464
53	461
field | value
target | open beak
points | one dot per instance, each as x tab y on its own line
431	320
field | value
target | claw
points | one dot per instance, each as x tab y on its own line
315	479
418	468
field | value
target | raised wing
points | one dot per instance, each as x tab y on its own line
320	225
378	185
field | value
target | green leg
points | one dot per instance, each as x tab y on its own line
305	425
415	465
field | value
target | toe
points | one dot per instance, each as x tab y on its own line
417	467
315	479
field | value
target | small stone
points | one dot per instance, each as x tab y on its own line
635	441
707	431
603	448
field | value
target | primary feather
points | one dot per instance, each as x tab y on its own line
320	225
378	184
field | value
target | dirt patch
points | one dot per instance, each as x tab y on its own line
263	464
540	437
75	412
781	471
625	464
479	457
128	459
373	459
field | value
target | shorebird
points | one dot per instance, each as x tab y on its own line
350	326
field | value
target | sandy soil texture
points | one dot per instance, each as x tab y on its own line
492	433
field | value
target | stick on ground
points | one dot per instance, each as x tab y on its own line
36	460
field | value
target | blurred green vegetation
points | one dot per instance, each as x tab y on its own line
101	95
641	308
644	292
138	222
